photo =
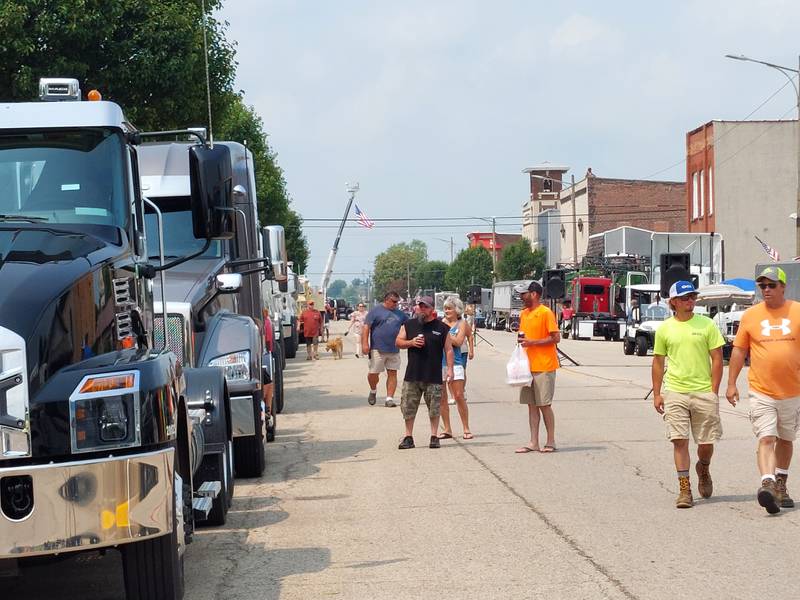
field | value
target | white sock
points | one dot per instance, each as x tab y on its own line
388	398
373	390
765	477
779	471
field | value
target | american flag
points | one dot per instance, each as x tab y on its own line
363	219
771	252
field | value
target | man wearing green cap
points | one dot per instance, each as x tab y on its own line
770	331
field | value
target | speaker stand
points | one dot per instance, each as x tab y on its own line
477	336
562	354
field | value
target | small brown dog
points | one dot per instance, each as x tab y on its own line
335	345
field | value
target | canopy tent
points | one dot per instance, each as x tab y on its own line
722	293
747	285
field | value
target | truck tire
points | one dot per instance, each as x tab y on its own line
153	569
628	346
219	510
280	392
248	456
291	342
641	346
280	349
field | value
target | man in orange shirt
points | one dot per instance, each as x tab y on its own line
538	334
770	330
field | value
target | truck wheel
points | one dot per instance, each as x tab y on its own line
280	393
641	346
153	569
219	510
248	455
628	346
281	351
292	341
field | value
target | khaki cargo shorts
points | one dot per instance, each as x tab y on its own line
412	394
696	410
540	391
777	418
383	361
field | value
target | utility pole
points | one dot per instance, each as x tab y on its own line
451	249
575	220
494	250
408	281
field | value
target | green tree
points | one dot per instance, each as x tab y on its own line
336	288
398	264
472	266
242	124
146	55
430	275
519	261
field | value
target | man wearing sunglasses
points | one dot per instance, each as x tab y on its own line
770	331
693	345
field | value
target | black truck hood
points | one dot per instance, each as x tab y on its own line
55	285
193	280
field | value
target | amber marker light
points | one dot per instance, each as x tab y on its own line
105	384
94	96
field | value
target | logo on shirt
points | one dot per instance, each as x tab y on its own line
767	329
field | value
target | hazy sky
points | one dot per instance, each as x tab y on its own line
436	106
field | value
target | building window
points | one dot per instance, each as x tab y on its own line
695	197
710	190
702	193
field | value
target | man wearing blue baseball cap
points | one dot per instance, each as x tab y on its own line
693	345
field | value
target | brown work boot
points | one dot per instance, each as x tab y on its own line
684	499
783	497
704	484
767	496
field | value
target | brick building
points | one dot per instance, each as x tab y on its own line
742	183
485	239
602	204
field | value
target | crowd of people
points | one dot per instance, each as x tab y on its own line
687	372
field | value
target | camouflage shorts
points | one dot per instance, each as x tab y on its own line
412	393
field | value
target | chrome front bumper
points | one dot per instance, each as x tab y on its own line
88	505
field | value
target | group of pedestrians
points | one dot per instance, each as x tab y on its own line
438	352
687	394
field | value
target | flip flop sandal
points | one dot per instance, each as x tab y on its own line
548	449
468	436
524	450
445	436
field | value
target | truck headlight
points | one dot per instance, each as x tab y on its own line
104	412
236	365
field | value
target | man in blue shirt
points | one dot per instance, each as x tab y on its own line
378	336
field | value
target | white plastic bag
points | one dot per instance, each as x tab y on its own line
518	369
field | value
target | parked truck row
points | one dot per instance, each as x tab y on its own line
144	313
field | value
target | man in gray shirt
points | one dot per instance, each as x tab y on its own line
378	336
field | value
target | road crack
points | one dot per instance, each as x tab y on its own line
571	542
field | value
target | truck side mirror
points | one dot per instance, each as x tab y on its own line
229	283
211	179
275	246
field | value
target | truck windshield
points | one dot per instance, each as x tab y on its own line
64	176
179	237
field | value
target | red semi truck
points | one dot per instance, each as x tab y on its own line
596	312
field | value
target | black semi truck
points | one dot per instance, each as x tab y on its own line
105	441
212	329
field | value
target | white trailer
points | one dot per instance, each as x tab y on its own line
506	305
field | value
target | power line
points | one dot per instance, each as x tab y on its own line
750	114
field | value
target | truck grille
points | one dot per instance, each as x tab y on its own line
175	330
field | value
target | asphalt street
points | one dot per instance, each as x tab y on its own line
342	513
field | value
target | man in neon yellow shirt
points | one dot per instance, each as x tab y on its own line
693	345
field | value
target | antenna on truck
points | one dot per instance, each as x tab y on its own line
208	76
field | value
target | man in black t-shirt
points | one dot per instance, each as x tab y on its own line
427	341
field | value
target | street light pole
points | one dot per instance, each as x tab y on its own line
786	71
